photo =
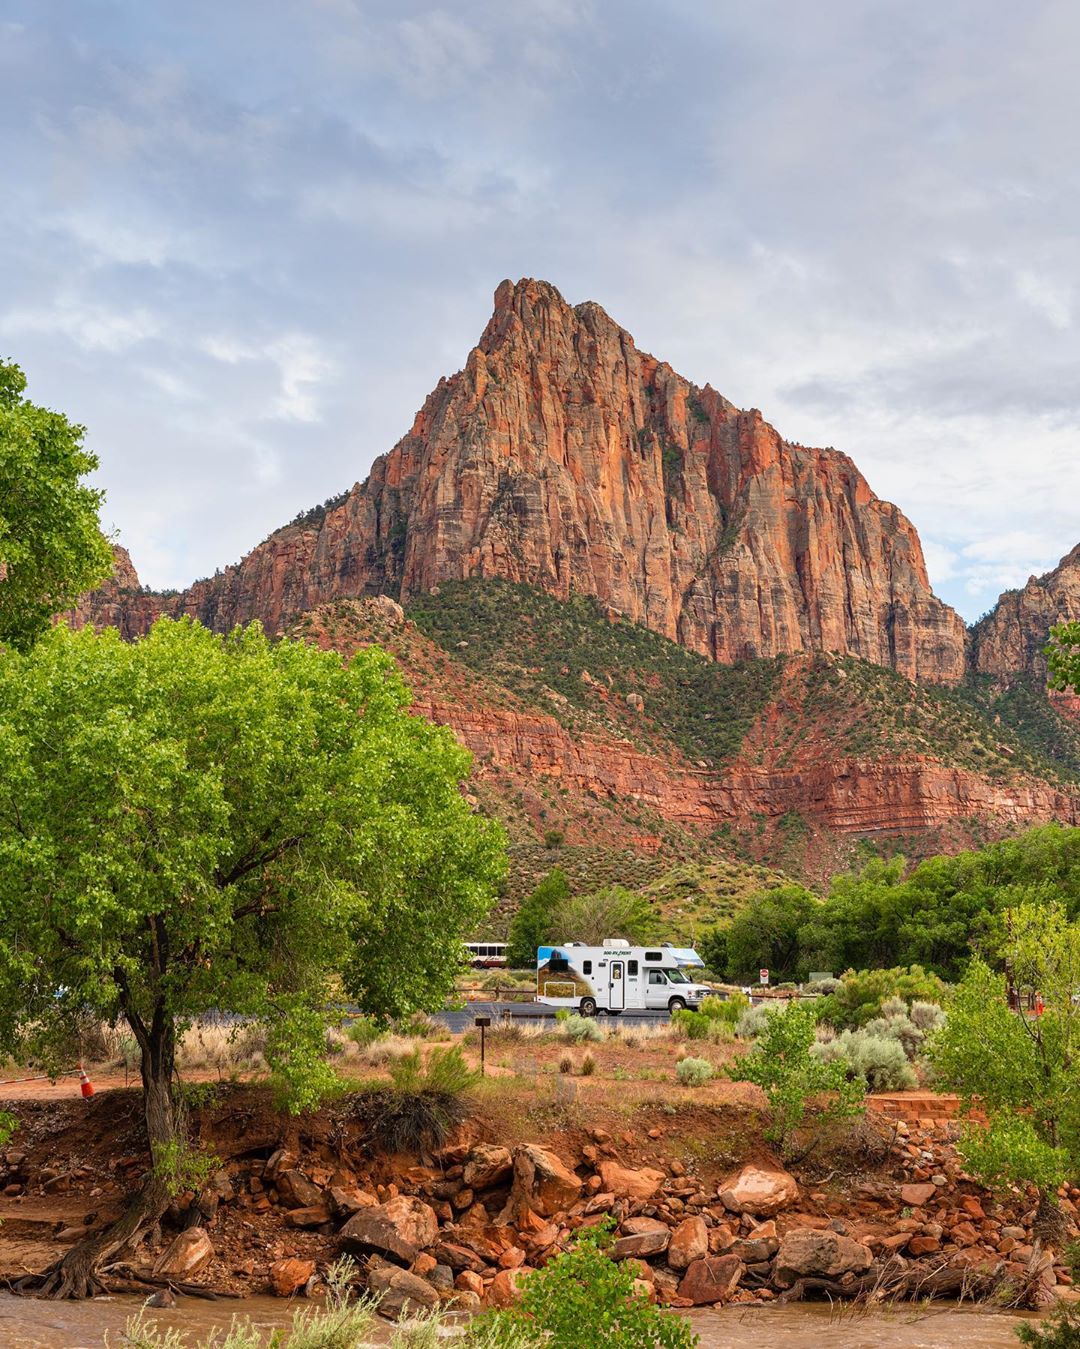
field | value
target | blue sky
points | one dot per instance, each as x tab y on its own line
244	240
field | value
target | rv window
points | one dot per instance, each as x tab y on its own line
586	967
616	973
631	968
657	977
654	955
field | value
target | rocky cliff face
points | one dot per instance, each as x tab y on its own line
1011	638
563	457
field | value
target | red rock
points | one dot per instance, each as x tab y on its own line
972	1207
470	1282
398	1291
288	1276
640	1237
401	1228
710	1280
915	1196
689	1242
759	1190
631	1184
923	1246
487	1166
185	1255
314	1216
822	1254
505	1289
543	1184
296	1191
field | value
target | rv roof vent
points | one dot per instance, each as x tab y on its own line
616	944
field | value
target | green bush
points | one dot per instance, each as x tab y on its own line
1060	1330
727	1010
584	1298
577	1029
694	1025
860	996
754	1020
878	1060
693	1072
364	1031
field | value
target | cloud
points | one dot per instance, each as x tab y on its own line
242	242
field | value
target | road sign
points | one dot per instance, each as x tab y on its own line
763	976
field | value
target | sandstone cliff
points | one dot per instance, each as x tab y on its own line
1011	638
563	457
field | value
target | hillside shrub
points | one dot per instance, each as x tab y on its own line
752	1022
861	994
878	1060
693	1072
577	1029
425	1102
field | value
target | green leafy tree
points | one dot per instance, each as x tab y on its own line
1019	1068
613	911
860	995
583	1299
782	1065
530	927
1063	657
51	546
194	822
765	934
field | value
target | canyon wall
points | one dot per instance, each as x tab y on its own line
563	457
1011	638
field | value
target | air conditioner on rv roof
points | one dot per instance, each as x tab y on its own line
616	944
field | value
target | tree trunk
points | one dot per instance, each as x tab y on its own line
76	1275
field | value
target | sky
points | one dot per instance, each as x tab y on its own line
243	240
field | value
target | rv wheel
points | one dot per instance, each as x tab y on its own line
588	1007
677	1005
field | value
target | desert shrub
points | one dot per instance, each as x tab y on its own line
693	1072
423	1026
878	1060
578	1029
425	1103
727	1010
754	1020
928	1016
1060	1330
584	1289
823	986
694	1025
566	1064
364	1031
861	995
588	1066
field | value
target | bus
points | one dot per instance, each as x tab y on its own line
486	955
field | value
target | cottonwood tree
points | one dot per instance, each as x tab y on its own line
1019	1068
51	546
195	823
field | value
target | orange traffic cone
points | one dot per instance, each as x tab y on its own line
85	1085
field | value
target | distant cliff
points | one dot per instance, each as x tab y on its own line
563	457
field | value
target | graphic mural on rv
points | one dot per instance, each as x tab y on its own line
556	979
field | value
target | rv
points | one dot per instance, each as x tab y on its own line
616	977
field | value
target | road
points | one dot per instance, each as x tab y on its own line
465	1018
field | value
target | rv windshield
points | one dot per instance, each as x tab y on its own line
677	976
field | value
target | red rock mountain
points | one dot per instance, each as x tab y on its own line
1011	638
564	457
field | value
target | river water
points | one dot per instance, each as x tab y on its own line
26	1324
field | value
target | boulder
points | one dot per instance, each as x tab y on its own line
915	1196
289	1276
314	1216
296	1191
185	1255
487	1166
827	1255
350	1199
641	1237
689	1242
760	1244
629	1184
543	1183
400	1228
505	1288
712	1279
759	1190
398	1291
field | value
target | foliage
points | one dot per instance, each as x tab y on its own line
878	1060
692	1072
425	1103
296	1051
613	911
51	546
532	925
765	934
577	1028
1060	1330
1063	657
753	1020
1019	1068
694	1025
584	1287
193	822
535	644
861	994
182	1167
784	1065
364	1031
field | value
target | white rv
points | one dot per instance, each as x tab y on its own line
614	977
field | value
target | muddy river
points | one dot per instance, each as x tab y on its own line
48	1325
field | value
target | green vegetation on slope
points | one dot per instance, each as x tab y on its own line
536	644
